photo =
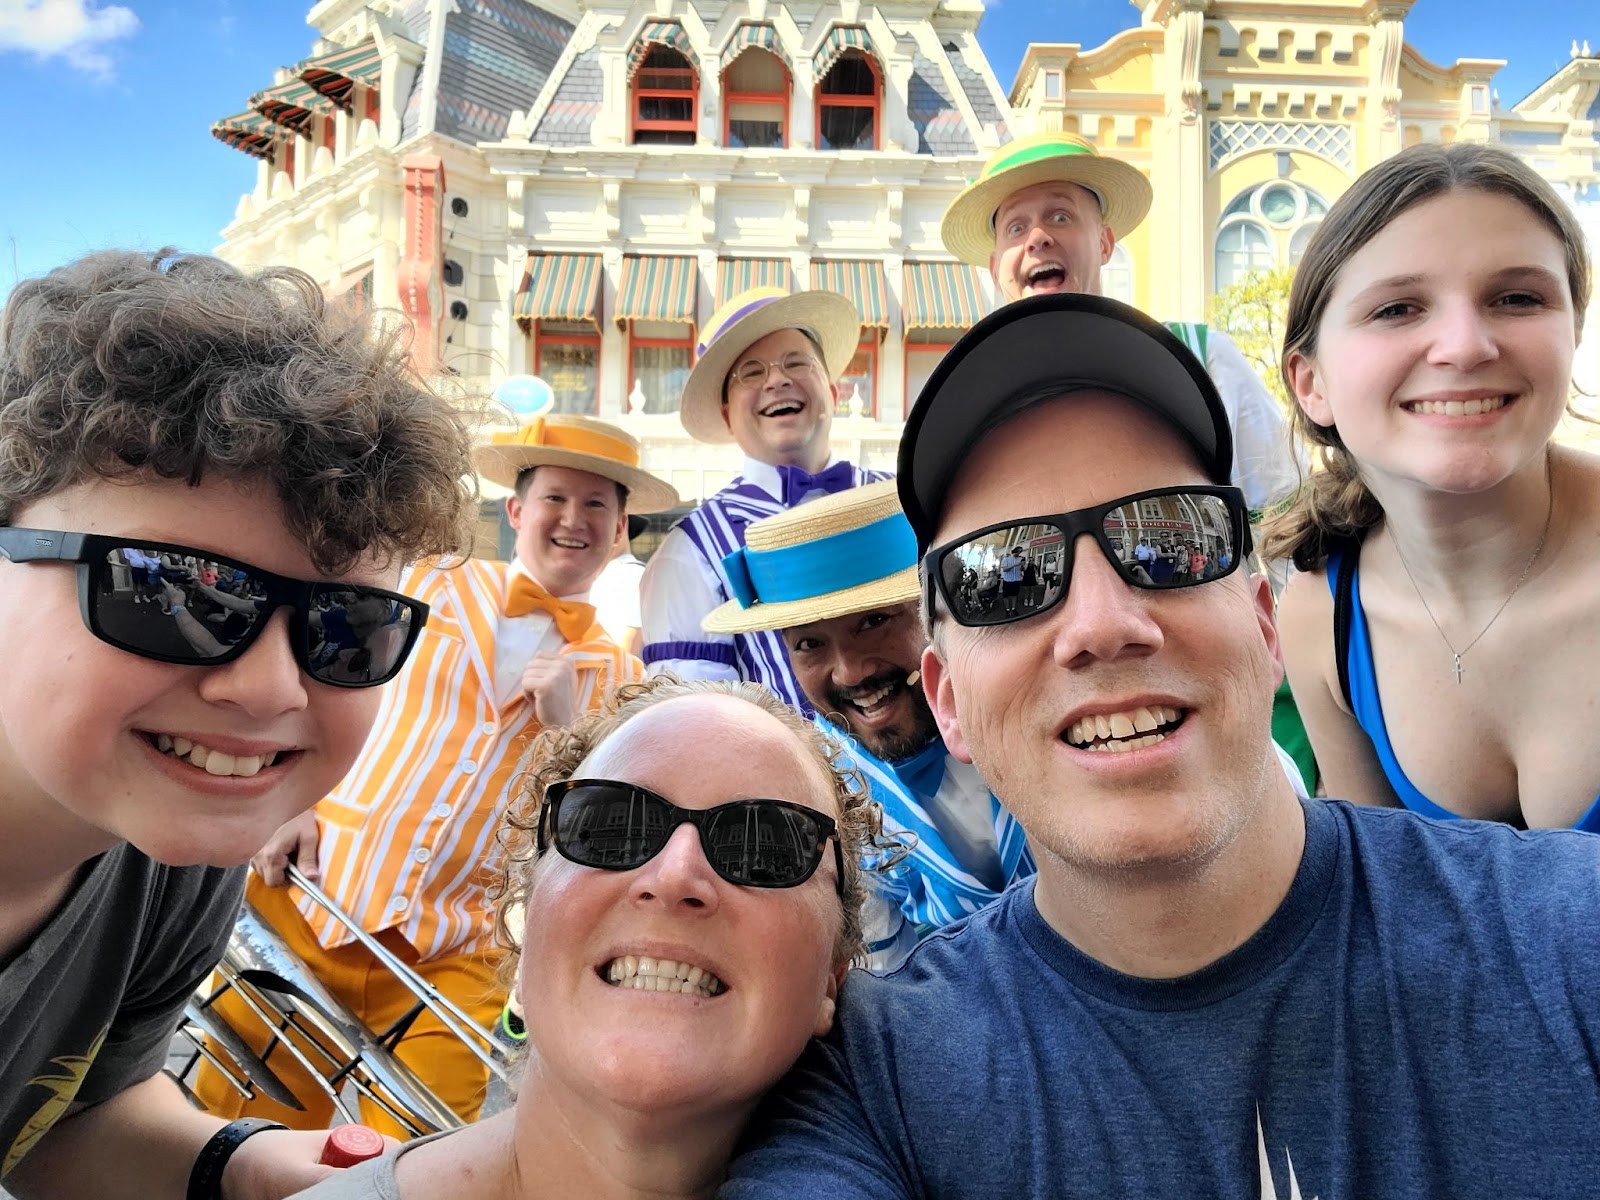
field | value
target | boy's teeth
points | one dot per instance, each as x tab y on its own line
214	762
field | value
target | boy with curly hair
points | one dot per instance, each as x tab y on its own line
281	464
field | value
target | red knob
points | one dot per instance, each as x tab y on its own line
349	1144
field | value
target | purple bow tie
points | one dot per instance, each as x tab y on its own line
798	484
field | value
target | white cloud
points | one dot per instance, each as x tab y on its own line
74	30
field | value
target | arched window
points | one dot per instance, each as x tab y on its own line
666	99
1299	240
1242	247
848	103
1116	277
755	101
1265	227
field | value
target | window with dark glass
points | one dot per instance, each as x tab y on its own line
847	104
666	95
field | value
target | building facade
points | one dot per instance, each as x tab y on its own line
1252	116
570	187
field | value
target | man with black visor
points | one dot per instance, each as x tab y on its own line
1212	988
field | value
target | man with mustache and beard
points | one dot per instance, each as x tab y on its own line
763	379
838	580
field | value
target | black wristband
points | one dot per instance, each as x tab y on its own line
205	1180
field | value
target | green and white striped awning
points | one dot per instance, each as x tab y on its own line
941	295
762	36
250	132
660	33
289	104
736	275
840	39
862	281
560	287
335	75
657	287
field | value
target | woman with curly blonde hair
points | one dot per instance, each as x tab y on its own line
1441	644
688	862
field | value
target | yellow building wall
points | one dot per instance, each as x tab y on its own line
1133	73
1425	89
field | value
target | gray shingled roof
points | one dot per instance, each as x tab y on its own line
497	56
939	124
575	105
978	93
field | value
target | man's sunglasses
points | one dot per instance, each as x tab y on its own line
1159	540
179	604
620	826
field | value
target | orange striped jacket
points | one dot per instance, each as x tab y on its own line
408	837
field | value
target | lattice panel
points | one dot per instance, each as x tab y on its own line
1230	138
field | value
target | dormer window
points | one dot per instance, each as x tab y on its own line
755	101
666	99
848	103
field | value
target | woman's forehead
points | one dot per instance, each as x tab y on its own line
708	749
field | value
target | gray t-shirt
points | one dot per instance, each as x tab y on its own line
371	1180
89	1005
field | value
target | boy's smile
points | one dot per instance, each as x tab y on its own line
191	764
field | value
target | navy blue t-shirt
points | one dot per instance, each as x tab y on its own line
1420	1018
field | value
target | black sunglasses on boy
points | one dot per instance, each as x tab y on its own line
152	599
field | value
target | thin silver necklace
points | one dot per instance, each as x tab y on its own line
1515	588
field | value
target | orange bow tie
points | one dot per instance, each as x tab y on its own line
572	617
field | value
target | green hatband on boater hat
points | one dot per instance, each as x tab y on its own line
1123	191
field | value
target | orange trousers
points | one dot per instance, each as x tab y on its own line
371	991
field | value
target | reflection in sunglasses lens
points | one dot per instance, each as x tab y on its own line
184	608
1154	542
612	827
356	635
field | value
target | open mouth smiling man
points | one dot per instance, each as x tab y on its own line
765	380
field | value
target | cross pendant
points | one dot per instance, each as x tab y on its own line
1457	668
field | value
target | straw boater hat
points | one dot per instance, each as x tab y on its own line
828	317
1123	191
582	443
840	554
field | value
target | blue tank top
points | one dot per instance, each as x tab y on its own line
1360	681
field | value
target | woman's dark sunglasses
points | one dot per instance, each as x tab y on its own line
1159	540
154	599
621	826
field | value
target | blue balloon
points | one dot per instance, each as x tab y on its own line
525	396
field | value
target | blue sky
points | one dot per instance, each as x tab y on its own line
105	109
